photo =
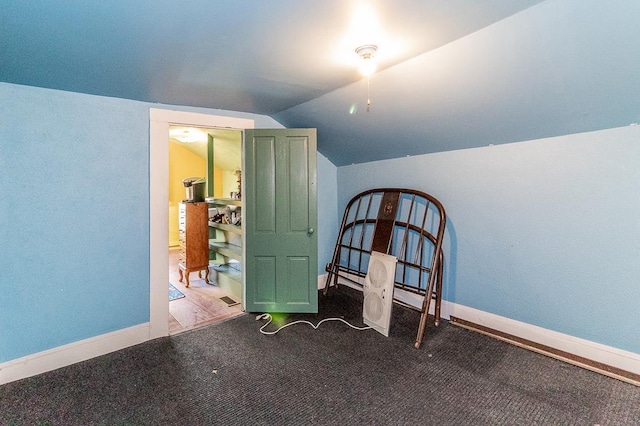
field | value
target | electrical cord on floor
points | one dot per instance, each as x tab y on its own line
269	319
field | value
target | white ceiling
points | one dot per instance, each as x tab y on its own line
453	74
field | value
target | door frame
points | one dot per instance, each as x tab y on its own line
159	122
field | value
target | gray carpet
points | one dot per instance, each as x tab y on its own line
230	374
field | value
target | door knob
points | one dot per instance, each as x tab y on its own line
310	231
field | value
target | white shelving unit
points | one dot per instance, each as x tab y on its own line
225	246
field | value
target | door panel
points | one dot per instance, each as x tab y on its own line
281	217
298	178
298	275
265	268
265	184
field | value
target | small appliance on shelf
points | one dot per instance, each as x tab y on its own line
194	187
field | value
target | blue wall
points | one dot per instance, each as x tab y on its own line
328	216
74	208
546	232
75	212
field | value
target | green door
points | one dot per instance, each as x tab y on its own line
281	246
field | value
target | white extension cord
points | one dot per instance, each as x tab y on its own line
269	319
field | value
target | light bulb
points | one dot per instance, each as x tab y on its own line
367	64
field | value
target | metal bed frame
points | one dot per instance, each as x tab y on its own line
404	223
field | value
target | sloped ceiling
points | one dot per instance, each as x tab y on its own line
452	74
227	145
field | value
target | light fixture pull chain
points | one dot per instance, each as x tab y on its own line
368	94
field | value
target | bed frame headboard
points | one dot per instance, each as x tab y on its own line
404	223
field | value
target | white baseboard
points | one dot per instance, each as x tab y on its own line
406	297
62	356
614	357
321	279
72	353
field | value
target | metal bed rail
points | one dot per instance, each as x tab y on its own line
404	223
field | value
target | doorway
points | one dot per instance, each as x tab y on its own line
214	155
159	123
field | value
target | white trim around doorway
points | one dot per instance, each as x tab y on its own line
159	121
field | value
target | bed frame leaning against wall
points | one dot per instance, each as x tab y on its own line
404	223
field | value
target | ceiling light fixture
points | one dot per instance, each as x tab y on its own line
367	54
188	135
367	65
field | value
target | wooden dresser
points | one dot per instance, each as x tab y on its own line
193	230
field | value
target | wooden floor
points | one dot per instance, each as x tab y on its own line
201	304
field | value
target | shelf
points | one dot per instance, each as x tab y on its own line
226	227
224	201
225	249
227	271
225	240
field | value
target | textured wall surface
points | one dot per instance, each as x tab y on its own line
545	232
74	208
